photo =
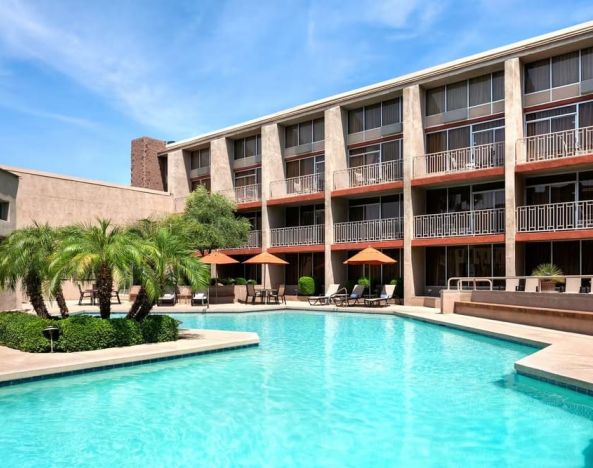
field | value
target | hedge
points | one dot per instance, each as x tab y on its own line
24	331
306	286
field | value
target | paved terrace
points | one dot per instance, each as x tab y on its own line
564	358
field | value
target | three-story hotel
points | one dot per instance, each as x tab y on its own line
479	167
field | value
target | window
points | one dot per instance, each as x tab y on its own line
374	116
200	158
466	198
435	101
304	133
4	205
375	208
307	215
480	90
202	182
249	177
457	96
553	120
388	151
498	86
305	166
247	147
559	71
466	136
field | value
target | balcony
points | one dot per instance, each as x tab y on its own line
253	241
368	231
460	160
460	223
299	235
301	185
555	217
244	194
371	174
564	144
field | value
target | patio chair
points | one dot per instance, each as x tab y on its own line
185	295
387	293
278	295
511	284
253	294
201	297
352	299
326	299
532	285
573	285
90	293
169	298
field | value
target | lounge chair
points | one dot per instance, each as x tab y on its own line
330	292
573	285
278	295
253	294
387	293
532	285
167	299
90	293
355	296
512	284
201	297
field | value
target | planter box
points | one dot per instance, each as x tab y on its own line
222	294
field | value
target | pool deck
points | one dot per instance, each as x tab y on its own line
564	358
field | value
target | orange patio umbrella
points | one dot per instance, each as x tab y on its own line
217	258
265	258
370	256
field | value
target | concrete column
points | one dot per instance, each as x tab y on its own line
336	159
513	108
272	138
178	170
221	167
413	146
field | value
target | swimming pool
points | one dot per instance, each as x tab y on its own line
321	389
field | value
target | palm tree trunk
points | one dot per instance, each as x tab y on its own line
33	288
136	304
145	309
64	312
104	288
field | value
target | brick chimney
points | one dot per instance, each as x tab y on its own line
148	169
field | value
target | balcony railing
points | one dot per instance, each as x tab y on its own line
371	174
244	194
557	145
299	235
460	223
555	217
302	185
460	160
368	231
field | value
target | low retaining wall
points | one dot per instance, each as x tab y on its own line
581	302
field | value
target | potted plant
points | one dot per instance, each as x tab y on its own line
553	276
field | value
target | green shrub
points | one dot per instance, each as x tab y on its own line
159	328
306	286
241	281
24	331
251	281
363	281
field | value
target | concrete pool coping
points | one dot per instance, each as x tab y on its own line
18	366
564	358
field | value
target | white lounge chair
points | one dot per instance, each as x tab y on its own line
532	285
330	292
573	285
201	297
387	293
168	298
352	299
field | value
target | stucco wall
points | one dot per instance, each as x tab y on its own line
60	200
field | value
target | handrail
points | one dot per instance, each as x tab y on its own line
459	160
491	279
310	183
554	145
244	193
369	174
555	216
369	230
298	235
459	223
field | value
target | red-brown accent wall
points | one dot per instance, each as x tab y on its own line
147	168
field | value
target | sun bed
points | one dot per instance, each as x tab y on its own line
387	293
331	291
355	296
167	299
201	297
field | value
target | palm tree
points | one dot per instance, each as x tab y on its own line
167	260
24	259
102	251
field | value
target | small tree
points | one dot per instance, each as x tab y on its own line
167	259
101	251
210	222
25	258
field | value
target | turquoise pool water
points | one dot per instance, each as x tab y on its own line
322	389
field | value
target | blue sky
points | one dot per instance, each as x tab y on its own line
80	79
